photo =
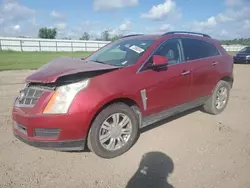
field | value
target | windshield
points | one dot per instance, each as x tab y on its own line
121	52
246	50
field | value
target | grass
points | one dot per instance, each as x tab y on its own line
10	60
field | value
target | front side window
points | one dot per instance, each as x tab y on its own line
121	52
171	49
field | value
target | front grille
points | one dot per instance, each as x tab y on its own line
29	96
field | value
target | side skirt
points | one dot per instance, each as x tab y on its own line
170	112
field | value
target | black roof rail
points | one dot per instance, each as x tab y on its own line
132	35
186	32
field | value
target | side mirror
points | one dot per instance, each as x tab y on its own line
159	62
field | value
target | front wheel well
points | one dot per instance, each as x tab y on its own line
131	103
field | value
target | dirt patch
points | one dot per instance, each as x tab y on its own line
204	150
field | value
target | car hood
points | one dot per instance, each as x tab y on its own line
242	54
65	66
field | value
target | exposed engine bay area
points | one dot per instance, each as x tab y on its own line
68	79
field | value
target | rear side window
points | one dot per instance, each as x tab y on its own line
211	50
197	49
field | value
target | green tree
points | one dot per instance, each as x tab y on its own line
116	37
85	36
105	36
242	41
47	33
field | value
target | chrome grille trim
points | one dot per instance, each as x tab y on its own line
31	95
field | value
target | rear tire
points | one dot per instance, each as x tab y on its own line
118	125
219	99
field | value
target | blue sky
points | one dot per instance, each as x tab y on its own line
219	18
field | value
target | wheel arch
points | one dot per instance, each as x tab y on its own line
228	79
126	100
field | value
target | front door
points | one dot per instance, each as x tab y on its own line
165	89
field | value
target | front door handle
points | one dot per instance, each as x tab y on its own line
214	63
185	73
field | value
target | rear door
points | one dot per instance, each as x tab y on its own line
204	58
168	88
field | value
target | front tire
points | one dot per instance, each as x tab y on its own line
219	99
113	131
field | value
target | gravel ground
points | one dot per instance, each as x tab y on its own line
192	150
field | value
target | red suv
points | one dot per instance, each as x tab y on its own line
103	101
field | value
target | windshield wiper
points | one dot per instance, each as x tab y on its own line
97	61
101	62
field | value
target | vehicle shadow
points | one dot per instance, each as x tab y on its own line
169	119
153	171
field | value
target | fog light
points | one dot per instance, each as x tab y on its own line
20	128
47	132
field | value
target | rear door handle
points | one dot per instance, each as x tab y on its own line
185	73
214	63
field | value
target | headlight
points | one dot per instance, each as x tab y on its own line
63	97
248	57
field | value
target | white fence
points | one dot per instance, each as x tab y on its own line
233	48
54	45
36	44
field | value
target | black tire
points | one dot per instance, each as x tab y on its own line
93	137
210	105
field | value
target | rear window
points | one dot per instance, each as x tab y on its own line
197	49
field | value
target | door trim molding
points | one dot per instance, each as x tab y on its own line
170	112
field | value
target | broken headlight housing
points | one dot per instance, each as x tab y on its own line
62	98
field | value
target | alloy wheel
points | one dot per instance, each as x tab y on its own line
115	131
221	98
